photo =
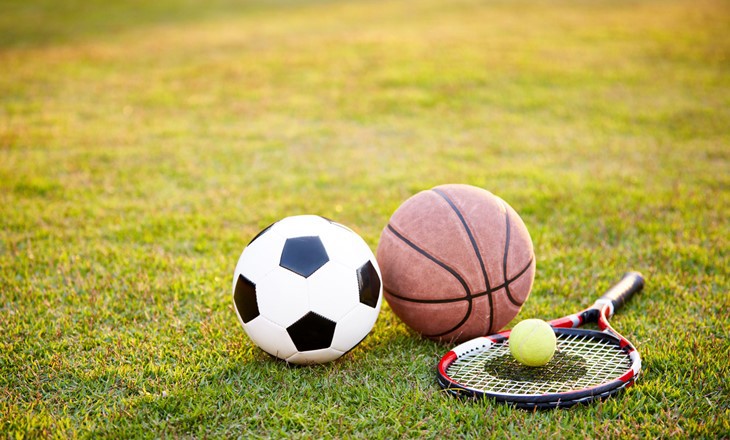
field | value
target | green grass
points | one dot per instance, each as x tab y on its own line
143	144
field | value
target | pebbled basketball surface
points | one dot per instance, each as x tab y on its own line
457	262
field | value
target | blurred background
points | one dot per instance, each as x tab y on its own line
143	144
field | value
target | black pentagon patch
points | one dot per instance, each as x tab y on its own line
303	255
245	299
312	332
369	283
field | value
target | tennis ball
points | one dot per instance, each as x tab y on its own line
532	342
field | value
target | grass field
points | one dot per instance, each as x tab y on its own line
143	144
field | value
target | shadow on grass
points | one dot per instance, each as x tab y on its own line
256	393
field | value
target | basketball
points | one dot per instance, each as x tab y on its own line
457	262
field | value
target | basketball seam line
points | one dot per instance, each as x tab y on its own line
469	233
432	258
479	258
443	265
506	254
474	295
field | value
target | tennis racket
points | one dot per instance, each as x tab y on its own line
587	365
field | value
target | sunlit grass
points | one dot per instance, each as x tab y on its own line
142	145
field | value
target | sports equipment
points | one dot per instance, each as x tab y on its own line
307	289
457	262
532	342
588	364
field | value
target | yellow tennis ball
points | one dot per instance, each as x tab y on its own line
532	342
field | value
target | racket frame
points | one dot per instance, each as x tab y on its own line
600	312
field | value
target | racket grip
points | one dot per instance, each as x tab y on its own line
620	292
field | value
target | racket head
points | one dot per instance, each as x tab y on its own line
588	365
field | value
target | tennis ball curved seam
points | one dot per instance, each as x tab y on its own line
517	345
533	342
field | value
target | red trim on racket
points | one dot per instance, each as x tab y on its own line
592	365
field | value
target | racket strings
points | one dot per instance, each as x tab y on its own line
580	362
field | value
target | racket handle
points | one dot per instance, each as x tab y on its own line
620	292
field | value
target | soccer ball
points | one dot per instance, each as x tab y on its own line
307	289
